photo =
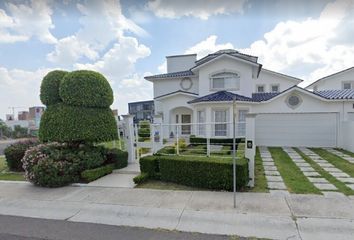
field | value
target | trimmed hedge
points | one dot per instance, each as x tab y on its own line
212	173
15	152
96	173
117	157
143	177
86	89
63	123
49	93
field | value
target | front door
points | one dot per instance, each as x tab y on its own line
186	128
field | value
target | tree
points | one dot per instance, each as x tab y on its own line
5	131
78	108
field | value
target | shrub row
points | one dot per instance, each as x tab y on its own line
117	157
212	173
15	152
93	174
217	141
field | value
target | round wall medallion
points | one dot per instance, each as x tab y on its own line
186	83
293	101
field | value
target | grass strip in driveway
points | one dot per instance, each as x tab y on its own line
337	161
260	183
339	185
345	152
294	179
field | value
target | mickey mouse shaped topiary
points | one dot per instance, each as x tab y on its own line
78	108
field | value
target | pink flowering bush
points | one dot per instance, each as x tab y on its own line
51	165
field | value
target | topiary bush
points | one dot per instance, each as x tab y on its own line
117	157
86	89
15	152
93	174
49	93
83	113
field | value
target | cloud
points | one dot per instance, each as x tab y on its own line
202	9
24	21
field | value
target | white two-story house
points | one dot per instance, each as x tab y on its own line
203	96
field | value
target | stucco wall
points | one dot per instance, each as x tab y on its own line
165	86
180	62
347	133
268	78
334	82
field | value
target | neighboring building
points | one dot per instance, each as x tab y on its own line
23	115
10	117
142	110
35	114
202	91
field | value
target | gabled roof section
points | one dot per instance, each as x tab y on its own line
337	94
283	75
331	75
221	96
260	97
175	93
230	52
187	73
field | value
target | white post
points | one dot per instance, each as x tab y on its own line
250	145
129	137
177	138
158	122
136	133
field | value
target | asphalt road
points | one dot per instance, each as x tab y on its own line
20	228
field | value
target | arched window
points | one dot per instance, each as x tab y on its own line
225	81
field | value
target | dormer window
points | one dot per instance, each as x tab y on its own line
225	81
275	88
260	88
348	85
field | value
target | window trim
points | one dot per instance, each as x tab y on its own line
261	85
348	82
238	85
227	111
275	85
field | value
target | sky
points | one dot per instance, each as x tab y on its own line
128	39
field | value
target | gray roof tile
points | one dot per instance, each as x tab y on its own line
187	73
336	94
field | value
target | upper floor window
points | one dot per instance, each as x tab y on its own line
348	85
260	88
274	88
225	80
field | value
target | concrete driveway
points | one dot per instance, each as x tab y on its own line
257	214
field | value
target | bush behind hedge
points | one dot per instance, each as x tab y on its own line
117	157
49	93
212	173
15	152
96	173
86	89
62	123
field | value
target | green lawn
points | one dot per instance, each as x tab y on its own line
260	179
337	161
294	179
341	186
345	151
154	184
6	175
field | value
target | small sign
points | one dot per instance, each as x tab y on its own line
249	144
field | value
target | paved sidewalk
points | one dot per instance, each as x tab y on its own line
257	214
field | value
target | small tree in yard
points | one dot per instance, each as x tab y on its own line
144	131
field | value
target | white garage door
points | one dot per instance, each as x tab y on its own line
305	129
351	116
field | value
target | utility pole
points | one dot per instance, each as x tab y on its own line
234	147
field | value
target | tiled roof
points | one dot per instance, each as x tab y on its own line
173	74
336	94
179	91
221	97
260	97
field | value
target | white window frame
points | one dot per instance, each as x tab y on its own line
226	110
201	129
274	85
348	82
225	71
260	85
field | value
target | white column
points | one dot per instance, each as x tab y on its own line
250	146
129	137
158	126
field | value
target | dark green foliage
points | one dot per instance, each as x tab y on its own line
64	123
144	131
167	150
217	141
143	177
93	174
86	89
117	157
50	87
211	173
150	165
15	152
91	157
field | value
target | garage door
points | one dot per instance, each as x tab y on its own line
351	116
307	129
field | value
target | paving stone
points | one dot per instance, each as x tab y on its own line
276	185
340	174
317	180
299	161
303	164
280	193
351	186
306	169
333	194
268	164
332	170
325	165
271	173
270	168
320	161
274	178
325	186
267	160
346	180
311	174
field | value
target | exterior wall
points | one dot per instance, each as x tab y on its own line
226	64
21	123
347	133
268	78
166	86
180	62
334	82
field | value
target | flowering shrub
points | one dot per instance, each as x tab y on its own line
48	165
15	152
